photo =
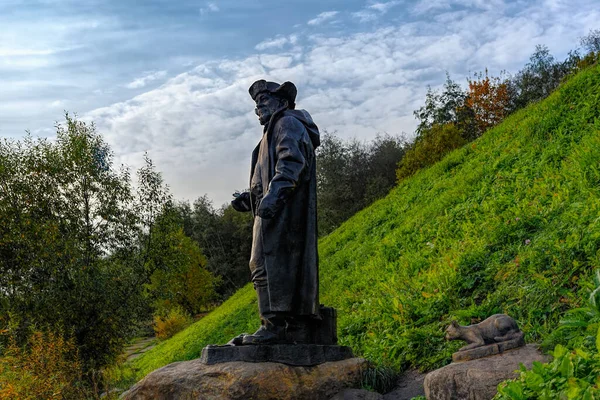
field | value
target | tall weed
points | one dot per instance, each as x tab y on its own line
48	367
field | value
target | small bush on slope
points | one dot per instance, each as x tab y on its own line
508	223
175	320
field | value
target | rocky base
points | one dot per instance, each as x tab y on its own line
291	354
241	380
478	379
489	350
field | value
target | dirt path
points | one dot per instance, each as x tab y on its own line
410	384
139	346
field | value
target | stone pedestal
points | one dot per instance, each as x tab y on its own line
489	350
324	331
291	354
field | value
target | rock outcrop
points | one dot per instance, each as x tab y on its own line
244	380
478	379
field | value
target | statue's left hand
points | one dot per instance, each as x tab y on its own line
269	206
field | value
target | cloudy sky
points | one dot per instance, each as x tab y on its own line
171	77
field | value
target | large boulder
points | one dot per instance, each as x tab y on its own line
478	379
245	380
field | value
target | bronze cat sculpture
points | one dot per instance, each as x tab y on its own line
495	329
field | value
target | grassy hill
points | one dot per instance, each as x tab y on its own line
509	223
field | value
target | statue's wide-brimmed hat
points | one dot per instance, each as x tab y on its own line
286	91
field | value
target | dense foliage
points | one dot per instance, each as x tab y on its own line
432	145
179	278
84	254
352	174
570	375
225	237
63	210
508	223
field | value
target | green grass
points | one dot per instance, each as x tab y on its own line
509	223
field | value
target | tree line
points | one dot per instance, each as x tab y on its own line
454	116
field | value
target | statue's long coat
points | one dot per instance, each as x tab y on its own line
284	165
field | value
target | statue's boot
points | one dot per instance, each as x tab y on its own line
271	331
273	325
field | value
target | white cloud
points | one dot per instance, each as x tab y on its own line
365	15
25	57
276	62
210	7
200	128
374	11
20	52
277	42
429	6
425	6
324	16
383	7
146	79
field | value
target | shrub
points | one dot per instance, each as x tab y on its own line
380	379
489	99
433	144
180	278
579	326
174	321
571	375
48	366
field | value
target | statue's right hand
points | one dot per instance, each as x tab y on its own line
242	202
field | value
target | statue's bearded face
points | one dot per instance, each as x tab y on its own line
266	105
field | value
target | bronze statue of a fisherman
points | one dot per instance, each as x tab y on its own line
283	200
